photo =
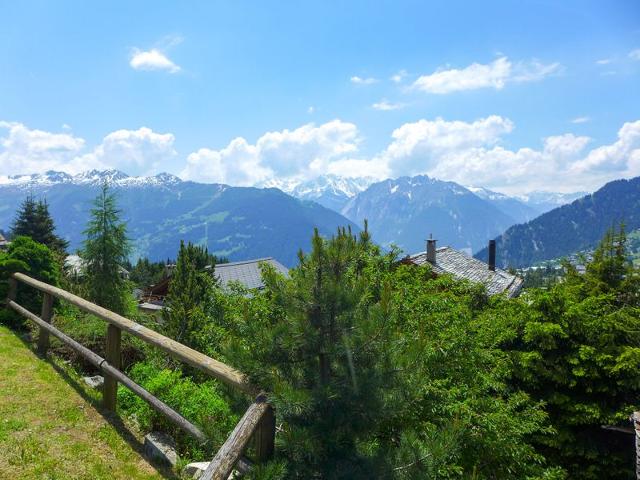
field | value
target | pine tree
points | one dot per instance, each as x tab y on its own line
34	220
189	294
25	221
106	248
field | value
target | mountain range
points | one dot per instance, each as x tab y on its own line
235	222
247	222
570	228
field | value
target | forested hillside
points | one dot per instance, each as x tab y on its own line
570	228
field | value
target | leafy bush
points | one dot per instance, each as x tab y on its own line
34	259
200	403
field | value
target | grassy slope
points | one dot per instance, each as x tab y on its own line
48	429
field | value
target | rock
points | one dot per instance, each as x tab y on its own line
94	382
160	447
195	470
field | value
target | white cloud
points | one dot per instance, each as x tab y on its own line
493	75
24	150
363	81
603	61
581	120
134	151
385	105
152	59
467	152
311	109
471	153
635	54
305	152
399	77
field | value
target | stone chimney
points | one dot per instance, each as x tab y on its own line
431	251
492	255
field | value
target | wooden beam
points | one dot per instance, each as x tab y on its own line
265	436
46	315
188	355
114	358
103	365
222	464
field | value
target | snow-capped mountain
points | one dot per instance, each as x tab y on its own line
512	206
330	191
406	210
543	202
91	177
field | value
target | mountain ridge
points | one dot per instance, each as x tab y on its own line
570	228
236	222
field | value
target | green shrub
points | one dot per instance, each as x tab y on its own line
37	261
201	404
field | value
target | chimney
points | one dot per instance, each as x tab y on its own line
431	251
492	255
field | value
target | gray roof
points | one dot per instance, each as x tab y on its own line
246	272
462	266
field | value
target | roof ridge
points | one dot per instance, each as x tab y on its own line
242	262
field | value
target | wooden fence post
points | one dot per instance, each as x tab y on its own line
265	436
13	289
635	418
46	315
113	357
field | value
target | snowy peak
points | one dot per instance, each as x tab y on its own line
487	194
90	177
48	178
330	191
94	177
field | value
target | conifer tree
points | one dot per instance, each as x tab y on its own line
34	220
189	294
106	249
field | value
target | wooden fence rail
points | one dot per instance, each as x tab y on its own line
258	422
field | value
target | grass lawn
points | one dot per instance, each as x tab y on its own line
51	426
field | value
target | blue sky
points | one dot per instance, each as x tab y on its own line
516	96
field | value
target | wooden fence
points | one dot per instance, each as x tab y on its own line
258	422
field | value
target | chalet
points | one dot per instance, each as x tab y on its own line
4	243
462	266
74	266
246	273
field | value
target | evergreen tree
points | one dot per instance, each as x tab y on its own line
25	221
34	220
576	347
189	296
379	371
106	249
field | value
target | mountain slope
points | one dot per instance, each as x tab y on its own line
236	222
570	228
405	211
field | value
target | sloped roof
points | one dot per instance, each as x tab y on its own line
246	272
462	266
